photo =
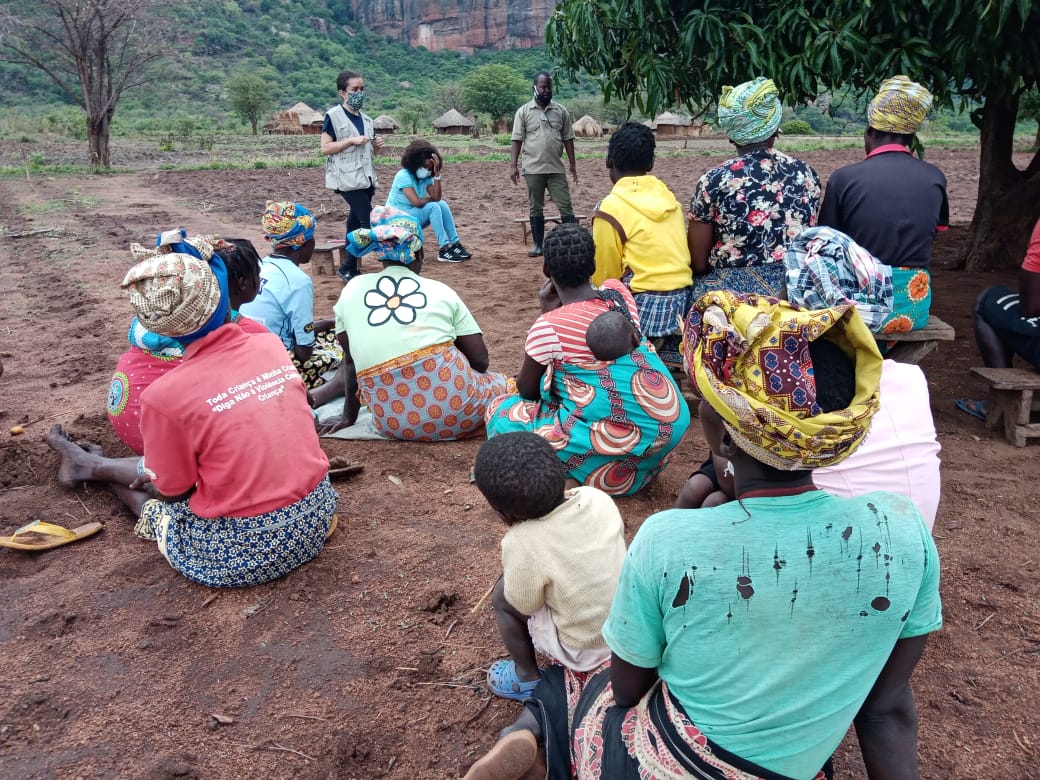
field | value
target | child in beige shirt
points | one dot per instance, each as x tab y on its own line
561	558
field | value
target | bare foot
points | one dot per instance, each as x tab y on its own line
76	459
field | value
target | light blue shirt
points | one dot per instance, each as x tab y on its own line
404	178
771	618
285	302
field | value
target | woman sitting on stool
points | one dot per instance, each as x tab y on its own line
417	191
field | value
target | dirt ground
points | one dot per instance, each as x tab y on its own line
369	661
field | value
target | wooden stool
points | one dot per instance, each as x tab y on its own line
912	345
328	257
1011	398
525	223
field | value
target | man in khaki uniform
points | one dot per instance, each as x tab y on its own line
542	129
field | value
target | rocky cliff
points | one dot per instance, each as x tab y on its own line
463	25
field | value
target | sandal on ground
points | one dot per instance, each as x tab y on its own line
510	758
340	467
503	681
972	406
39	535
332	527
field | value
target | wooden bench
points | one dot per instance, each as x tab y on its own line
1011	398
913	345
328	257
525	222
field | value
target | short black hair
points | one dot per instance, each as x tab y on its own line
520	475
631	148
609	336
570	255
834	374
417	153
240	258
541	73
343	79
882	137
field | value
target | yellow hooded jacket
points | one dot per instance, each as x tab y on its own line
640	227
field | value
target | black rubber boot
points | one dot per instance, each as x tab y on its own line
349	269
569	219
537	235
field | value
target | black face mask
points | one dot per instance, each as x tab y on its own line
543	100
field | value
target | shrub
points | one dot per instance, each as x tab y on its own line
796	127
504	139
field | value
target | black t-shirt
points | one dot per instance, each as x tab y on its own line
891	204
358	122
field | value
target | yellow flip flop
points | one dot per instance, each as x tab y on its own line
332	526
49	535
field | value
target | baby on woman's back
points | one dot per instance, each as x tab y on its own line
612	335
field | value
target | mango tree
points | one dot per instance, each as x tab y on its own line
655	54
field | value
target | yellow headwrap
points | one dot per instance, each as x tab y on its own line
749	358
899	107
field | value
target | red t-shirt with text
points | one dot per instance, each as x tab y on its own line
232	420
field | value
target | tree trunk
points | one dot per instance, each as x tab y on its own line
97	136
252	121
1008	201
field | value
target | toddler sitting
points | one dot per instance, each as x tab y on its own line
561	558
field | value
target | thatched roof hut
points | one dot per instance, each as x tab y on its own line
384	125
587	127
452	123
676	126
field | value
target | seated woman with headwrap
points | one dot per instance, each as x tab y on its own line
891	203
825	268
614	423
151	355
234	485
747	638
743	211
285	301
411	349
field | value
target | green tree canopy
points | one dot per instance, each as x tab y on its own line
658	54
250	96
495	90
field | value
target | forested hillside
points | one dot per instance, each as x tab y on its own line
298	46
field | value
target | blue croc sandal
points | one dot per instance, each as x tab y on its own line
972	407
502	681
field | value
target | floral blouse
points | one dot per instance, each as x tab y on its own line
756	203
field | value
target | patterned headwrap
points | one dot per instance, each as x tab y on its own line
900	106
749	357
287	224
394	235
750	112
826	268
176	291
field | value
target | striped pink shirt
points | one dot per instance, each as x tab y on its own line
560	334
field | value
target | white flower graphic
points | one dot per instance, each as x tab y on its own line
394	298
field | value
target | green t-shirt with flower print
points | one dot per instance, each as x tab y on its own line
396	312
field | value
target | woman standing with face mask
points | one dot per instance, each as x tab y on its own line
349	141
417	191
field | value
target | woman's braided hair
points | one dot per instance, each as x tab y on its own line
570	259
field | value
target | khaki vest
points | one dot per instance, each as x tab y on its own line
351	169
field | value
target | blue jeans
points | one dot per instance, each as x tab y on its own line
437	215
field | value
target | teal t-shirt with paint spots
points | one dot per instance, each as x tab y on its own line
770	619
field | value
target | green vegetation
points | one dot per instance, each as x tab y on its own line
250	96
797	127
495	90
